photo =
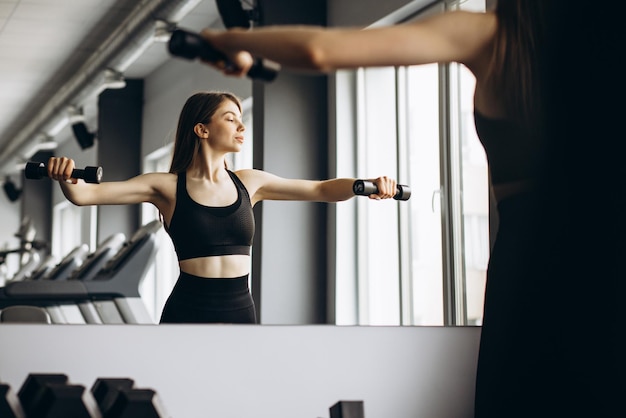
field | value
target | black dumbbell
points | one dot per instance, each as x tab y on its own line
347	409
36	171
366	188
190	45
51	396
10	406
105	390
118	398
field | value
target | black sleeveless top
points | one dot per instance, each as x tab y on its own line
201	231
513	152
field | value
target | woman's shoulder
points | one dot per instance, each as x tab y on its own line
248	173
252	178
159	176
159	180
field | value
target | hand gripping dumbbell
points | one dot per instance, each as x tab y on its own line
366	188
191	45
36	170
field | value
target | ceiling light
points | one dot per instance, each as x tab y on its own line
11	190
163	30
45	143
113	79
84	138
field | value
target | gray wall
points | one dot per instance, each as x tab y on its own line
36	201
291	140
201	371
366	12
165	93
119	151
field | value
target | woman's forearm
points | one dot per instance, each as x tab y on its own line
336	190
299	47
75	193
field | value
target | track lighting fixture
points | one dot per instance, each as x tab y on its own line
11	190
85	138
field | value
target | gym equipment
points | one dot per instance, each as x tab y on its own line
51	395
68	264
28	252
19	313
37	170
191	45
118	398
65	314
10	406
366	188
43	269
110	296
28	268
347	409
98	259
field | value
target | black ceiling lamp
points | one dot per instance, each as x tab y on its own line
76	118
234	14
11	190
85	138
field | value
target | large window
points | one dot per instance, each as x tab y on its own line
72	226
420	262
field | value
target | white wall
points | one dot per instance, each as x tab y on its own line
204	371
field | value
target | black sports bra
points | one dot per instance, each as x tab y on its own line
201	231
513	152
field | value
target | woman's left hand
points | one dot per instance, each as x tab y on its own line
237	63
387	188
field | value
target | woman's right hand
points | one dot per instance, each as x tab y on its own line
239	62
60	169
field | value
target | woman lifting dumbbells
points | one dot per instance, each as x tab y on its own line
207	208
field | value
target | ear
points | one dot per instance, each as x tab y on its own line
201	130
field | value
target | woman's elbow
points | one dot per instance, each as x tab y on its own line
316	56
76	200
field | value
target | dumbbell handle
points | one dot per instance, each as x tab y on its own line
366	188
36	170
191	45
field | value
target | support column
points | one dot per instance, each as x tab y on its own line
119	152
291	140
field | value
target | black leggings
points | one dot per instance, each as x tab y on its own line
209	300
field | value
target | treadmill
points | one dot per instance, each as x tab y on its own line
110	293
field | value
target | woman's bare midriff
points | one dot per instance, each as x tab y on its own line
223	266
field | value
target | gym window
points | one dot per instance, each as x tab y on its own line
423	261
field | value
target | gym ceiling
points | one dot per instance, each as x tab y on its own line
54	55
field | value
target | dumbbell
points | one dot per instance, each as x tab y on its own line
366	188
347	409
118	398
191	45
10	406
51	396
36	170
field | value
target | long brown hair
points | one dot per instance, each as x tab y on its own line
199	108
517	57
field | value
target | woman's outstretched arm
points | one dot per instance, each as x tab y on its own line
457	36
142	188
266	186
